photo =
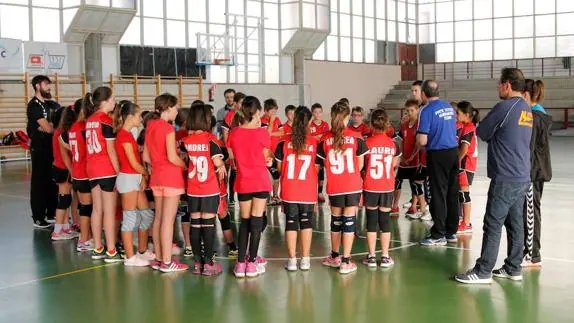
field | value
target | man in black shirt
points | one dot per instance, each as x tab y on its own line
221	113
40	126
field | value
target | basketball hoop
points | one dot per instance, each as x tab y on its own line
221	61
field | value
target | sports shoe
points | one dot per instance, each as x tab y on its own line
471	277
136	261
528	263
291	264
155	264
240	268
175	250
84	246
73	233
251	269
430	242
62	235
196	268
426	216
187	252
451	238
387	261
463	228
305	263
347	268
147	255
394	211
212	269
329	261
51	220
407	205
41	224
99	254
370	261
120	248
260	261
502	273
174	266
111	258
232	254
412	213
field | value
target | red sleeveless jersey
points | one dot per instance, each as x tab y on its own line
379	170
58	161
321	129
341	167
202	179
126	137
98	131
299	178
409	134
77	142
468	137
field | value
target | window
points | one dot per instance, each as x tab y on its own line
462	10
357	26
391	9
369	28
357	7
344	25
444	11
444	52
197	12
369	51
175	33
332	48
320	52
426	34
46	25
14	22
45	3
524	26
236	7
392	31
502	28
463	51
401	11
344	6
524	48
444	32
544	6
22	2
381	28
482	9
216	11
483	29
369	8
271	42
345	49
271	69
271	13
334	23
426	13
503	9
153	32
564	22
545	47
308	11
402	27
545	25
379	9
503	49
358	50
153	9
524	7
132	36
565	46
175	9
565	6
193	29
463	30
483	50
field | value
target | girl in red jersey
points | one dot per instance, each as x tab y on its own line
205	166
61	170
378	186
468	116
167	182
317	129
250	145
342	151
102	167
298	163
131	183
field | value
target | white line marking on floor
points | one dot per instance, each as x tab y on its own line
15	196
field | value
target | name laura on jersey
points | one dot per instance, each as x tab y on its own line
382	151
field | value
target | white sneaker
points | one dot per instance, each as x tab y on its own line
136	261
426	216
291	264
414	216
62	235
147	255
407	205
305	263
73	233
84	246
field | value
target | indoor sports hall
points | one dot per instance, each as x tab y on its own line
341	54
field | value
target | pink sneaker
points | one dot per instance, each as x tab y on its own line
240	268
212	269
172	267
332	262
155	264
196	268
347	268
258	260
252	269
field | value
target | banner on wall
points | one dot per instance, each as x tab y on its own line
46	58
11	56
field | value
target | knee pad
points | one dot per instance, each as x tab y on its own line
398	184
291	222
461	196
305	221
129	221
64	201
336	223
196	223
85	209
384	221
466	197
275	174
225	222
349	225
208	223
147	216
372	220
418	189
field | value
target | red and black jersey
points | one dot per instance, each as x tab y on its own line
98	131
379	170
341	167
275	128
77	142
299	177
202	178
319	129
362	130
467	136
409	135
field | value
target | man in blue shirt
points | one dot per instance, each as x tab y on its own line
507	129
437	133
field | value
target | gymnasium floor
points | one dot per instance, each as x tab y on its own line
42	281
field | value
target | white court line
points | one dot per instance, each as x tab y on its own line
15	196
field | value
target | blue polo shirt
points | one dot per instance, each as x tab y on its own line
437	120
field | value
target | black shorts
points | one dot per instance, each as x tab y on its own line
406	173
421	173
203	204
296	209
60	175
106	184
149	194
345	200
373	199
81	185
244	197
322	174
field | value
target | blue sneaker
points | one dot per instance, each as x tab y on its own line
430	242
451	238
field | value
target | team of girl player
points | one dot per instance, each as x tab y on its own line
112	158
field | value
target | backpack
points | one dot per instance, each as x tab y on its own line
8	140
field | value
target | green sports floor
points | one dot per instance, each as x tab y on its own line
45	281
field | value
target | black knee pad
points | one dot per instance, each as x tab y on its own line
336	223
291	222
208	222
384	221
225	222
275	174
64	201
305	221
372	220
466	197
398	184
85	209
418	189
349	224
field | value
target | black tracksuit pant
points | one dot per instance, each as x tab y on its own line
443	170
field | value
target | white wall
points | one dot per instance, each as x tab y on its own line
110	61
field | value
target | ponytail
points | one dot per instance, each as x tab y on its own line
475	116
535	89
162	103
249	107
300	128
125	109
539	85
93	101
380	121
339	111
